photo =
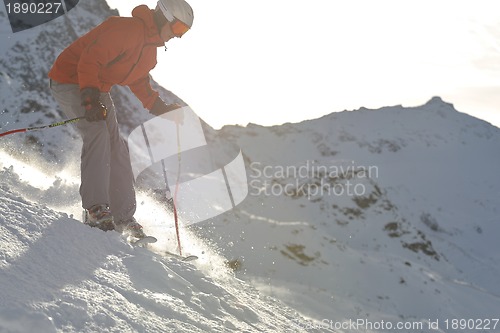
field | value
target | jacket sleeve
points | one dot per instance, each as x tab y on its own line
144	92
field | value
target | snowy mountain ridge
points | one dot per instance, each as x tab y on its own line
416	242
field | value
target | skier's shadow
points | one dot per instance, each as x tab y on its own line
59	258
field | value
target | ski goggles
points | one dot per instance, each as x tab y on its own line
178	27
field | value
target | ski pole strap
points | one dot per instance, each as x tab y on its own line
21	130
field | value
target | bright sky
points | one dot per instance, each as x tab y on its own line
275	61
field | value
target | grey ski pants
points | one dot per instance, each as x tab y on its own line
106	172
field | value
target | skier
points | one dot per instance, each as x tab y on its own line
121	50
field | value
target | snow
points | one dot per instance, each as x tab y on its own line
416	246
58	275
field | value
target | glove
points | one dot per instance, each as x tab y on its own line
94	109
159	107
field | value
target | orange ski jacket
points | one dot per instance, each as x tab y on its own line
121	50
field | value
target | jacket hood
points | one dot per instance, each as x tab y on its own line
145	14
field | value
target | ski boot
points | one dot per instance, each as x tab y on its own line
130	228
99	216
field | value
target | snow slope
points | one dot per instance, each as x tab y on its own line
360	221
58	275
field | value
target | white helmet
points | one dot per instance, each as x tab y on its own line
177	9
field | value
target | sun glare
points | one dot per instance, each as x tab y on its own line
270	62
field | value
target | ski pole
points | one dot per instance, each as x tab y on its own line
176	218
22	130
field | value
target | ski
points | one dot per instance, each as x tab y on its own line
179	257
144	240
